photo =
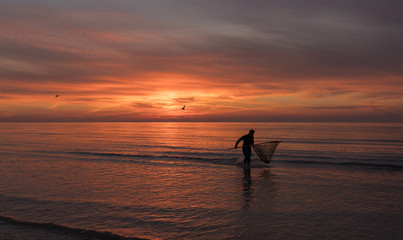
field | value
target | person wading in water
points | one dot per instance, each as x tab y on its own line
248	141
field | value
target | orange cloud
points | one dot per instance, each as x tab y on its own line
123	65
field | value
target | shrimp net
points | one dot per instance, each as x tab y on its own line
265	150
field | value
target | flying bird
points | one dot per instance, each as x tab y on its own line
183	108
57	95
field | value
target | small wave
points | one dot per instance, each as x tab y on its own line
333	140
111	154
63	230
310	156
375	142
360	164
120	157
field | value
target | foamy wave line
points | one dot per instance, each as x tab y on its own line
359	164
222	160
347	141
86	234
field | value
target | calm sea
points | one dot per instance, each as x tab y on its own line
178	181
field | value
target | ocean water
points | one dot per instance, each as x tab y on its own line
178	181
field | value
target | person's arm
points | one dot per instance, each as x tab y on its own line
237	142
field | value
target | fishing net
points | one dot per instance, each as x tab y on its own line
265	150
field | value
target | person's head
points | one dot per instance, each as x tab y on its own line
251	132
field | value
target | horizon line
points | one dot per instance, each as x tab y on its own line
340	121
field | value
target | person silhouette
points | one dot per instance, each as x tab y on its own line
248	141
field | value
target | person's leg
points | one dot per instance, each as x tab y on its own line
247	152
247	161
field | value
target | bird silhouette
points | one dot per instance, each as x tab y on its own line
57	95
183	108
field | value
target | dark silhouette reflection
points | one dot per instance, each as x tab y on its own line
267	175
264	183
247	188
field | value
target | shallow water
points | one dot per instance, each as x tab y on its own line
178	181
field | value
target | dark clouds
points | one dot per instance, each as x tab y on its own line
284	38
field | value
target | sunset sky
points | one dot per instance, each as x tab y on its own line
226	60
